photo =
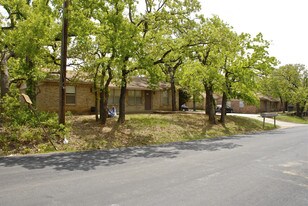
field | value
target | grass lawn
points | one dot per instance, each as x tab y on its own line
294	119
151	129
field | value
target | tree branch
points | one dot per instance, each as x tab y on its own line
130	14
7	28
161	60
160	6
16	80
205	57
148	7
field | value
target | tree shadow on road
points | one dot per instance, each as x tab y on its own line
85	161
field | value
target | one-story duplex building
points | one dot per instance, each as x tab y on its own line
80	96
267	104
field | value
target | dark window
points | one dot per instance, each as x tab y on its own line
114	97
165	97
70	95
134	97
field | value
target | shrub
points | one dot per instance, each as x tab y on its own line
23	128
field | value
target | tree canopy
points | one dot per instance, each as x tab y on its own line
113	40
289	84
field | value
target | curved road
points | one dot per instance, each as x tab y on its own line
269	168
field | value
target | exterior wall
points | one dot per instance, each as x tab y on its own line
265	106
268	106
85	99
157	103
48	100
200	105
239	106
131	108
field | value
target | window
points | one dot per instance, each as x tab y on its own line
134	97
228	103
241	104
165	98
114	97
70	95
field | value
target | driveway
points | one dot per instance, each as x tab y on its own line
281	124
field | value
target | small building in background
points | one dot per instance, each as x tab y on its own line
267	104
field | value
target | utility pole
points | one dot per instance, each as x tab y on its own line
62	85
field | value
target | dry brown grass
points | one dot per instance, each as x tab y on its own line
150	129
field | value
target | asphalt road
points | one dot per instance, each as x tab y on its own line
270	168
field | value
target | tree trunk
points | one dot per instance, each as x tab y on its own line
104	94
210	103
62	82
298	110
31	82
96	103
194	102
286	106
207	102
103	106
302	109
281	105
96	95
224	96
173	93
121	118
4	74
95	88
223	108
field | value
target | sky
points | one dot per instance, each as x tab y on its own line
282	22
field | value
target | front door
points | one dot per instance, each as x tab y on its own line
148	100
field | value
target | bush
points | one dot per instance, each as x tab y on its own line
23	128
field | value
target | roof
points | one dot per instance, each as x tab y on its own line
134	83
142	83
267	98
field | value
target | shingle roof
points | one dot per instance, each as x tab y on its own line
142	83
134	83
268	98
